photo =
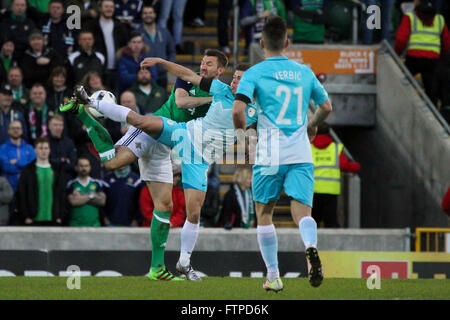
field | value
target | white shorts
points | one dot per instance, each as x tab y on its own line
154	158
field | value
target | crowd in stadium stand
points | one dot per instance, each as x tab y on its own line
42	59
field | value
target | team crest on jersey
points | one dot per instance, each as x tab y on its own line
92	187
251	111
192	91
170	122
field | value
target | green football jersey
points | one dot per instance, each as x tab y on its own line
86	215
171	111
45	190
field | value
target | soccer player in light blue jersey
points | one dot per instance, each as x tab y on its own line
282	90
199	142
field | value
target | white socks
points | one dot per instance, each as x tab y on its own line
189	235
113	111
268	245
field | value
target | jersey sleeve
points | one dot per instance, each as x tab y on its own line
318	92
247	85
179	83
218	88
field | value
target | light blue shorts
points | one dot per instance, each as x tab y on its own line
297	180
194	170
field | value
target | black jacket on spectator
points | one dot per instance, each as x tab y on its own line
121	33
17	29
55	99
63	153
81	63
33	72
28	194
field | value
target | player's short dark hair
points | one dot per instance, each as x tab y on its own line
221	57
41	140
274	33
243	66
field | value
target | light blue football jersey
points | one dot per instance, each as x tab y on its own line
214	133
282	89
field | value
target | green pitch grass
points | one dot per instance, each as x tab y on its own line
214	288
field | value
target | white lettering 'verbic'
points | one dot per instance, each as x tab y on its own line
287	75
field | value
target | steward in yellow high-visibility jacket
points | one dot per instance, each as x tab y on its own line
425	36
328	160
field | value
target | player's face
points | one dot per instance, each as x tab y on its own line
56	127
42	151
83	167
236	79
209	68
148	16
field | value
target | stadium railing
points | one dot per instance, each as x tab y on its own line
433	239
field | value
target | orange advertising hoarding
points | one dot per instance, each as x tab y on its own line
336	61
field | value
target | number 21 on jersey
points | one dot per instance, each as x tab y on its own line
286	91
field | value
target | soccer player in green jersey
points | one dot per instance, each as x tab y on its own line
185	103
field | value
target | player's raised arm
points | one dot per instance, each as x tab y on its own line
181	72
319	116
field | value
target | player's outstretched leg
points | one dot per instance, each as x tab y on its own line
308	232
100	137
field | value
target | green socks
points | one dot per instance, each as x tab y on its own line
159	232
99	135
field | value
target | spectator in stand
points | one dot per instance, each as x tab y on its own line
122	198
86	196
57	91
7	59
6	195
56	33
38	112
194	15
210	208
158	39
386	16
178	215
225	6
15	154
8	114
15	25
253	16
38	60
86	59
329	161
41	200
446	202
237	205
149	96
92	81
176	7
127	99
21	94
110	35
427	39
128	12
63	151
309	21
129	61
